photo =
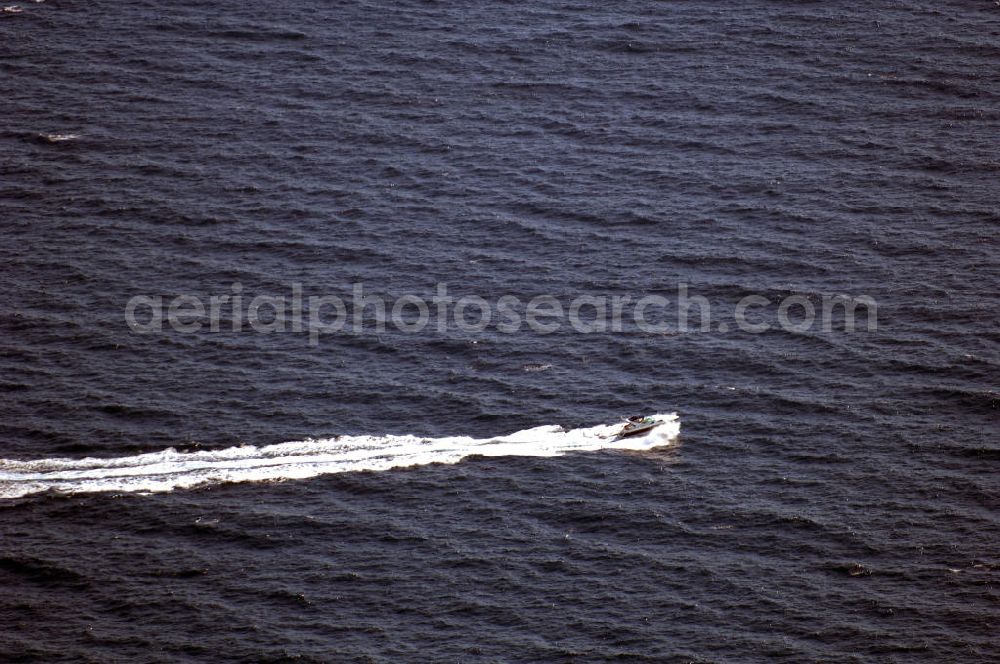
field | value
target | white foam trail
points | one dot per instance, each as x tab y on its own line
169	469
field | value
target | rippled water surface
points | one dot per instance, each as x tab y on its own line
832	496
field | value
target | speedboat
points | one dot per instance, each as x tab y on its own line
636	426
57	138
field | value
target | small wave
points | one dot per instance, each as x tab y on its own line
259	35
169	469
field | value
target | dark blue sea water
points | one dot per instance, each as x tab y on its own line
833	496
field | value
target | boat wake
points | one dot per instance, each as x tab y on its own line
169	469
